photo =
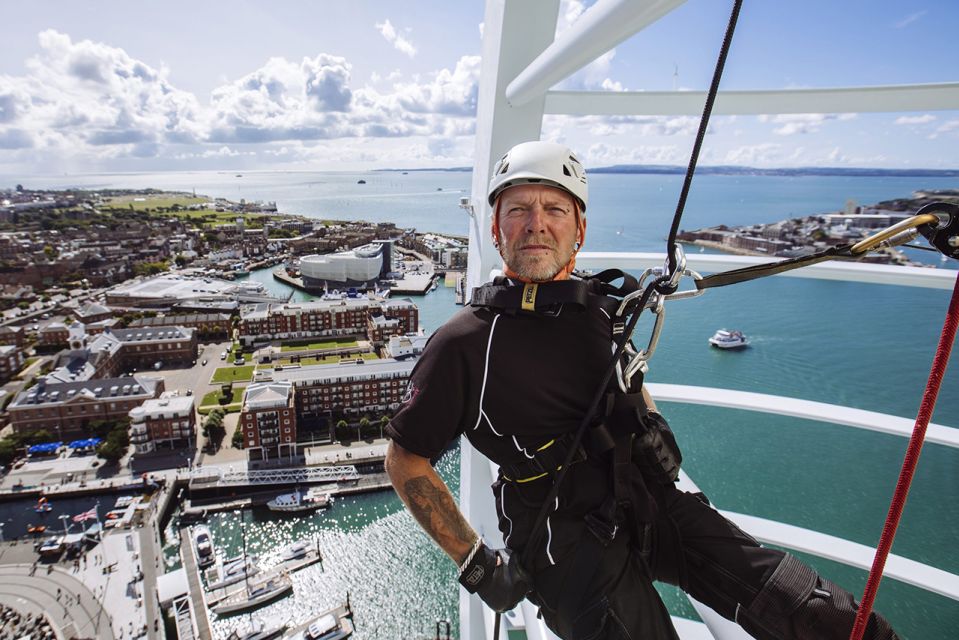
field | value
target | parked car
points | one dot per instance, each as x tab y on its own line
223	356
239	360
203	363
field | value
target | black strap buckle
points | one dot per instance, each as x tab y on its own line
602	522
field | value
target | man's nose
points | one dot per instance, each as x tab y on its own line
536	218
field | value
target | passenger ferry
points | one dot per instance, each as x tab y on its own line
723	339
298	502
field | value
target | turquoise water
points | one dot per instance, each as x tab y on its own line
865	346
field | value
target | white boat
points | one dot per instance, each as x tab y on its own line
254	594
328	626
724	339
203	544
256	629
231	572
299	501
296	550
51	547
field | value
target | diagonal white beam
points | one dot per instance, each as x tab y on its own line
599	29
891	98
830	270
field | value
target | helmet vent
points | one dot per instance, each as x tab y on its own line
566	171
505	167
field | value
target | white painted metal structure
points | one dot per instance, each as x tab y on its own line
521	61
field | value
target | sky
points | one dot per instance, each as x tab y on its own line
119	86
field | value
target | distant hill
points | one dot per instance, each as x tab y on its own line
732	170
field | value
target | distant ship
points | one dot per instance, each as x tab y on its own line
728	339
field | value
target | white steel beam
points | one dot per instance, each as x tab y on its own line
830	547
514	33
832	270
599	29
892	98
806	409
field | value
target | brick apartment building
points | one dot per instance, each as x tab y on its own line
67	409
118	351
12	335
206	324
324	318
164	421
352	390
11	361
268	420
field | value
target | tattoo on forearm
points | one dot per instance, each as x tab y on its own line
434	509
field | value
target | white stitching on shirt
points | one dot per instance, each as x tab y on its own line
549	531
489	346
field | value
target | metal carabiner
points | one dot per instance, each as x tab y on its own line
675	276
689	293
639	362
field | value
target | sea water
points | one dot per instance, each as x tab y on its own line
864	346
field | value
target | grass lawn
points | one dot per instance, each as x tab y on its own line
142	203
233	374
212	400
326	344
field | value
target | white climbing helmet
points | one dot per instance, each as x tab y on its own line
540	162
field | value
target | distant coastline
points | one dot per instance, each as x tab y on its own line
735	170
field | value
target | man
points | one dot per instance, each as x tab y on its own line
515	372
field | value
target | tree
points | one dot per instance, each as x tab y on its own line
8	450
180	260
384	422
363	428
238	438
341	428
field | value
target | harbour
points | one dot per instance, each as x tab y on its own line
364	533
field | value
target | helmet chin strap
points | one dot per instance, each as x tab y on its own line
563	273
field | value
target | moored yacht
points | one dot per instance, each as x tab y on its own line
298	501
203	544
254	594
257	629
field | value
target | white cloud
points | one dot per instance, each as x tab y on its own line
801	123
946	127
88	94
754	155
399	43
908	20
601	154
923	119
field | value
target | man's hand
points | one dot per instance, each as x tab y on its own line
497	576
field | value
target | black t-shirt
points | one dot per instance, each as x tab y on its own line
510	383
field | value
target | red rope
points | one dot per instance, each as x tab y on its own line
909	463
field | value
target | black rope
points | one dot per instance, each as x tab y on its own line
694	156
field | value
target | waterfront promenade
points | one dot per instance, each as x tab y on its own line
108	593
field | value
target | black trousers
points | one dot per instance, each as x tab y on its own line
771	594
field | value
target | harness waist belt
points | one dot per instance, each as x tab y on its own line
547	460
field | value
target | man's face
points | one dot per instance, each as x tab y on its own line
538	230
